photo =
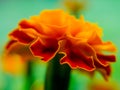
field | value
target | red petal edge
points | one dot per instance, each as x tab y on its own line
9	44
75	61
21	36
46	53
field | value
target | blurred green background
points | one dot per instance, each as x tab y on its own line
104	12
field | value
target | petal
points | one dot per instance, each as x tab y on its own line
53	31
105	71
27	24
30	32
52	23
94	39
93	27
106	59
56	17
78	62
17	48
80	56
44	49
74	27
9	44
107	46
21	36
96	29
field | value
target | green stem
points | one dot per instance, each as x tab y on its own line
57	76
29	76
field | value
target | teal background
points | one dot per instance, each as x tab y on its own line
104	12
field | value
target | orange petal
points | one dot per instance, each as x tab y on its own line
45	50
94	39
53	31
107	46
55	18
74	26
52	23
21	36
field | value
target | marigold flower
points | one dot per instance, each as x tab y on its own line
56	32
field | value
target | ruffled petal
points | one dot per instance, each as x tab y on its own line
94	27
10	44
52	23
21	36
16	48
80	62
45	50
74	27
53	31
105	71
26	24
29	24
55	18
107	46
80	56
106	59
94	39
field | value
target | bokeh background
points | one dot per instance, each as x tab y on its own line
106	13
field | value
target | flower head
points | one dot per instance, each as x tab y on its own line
56	32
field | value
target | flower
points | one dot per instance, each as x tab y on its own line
42	33
85	49
56	32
